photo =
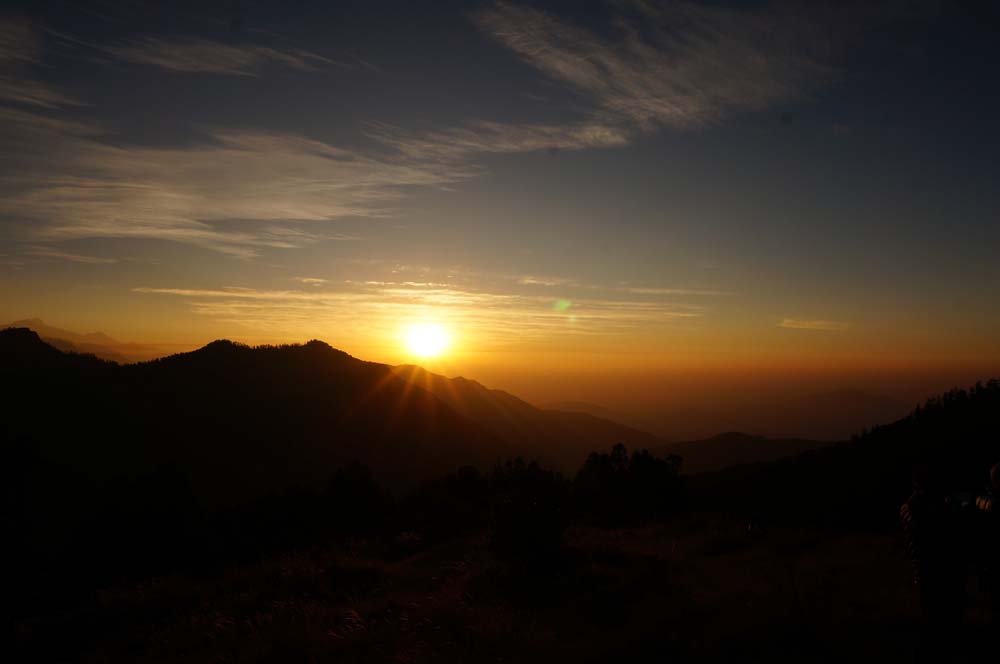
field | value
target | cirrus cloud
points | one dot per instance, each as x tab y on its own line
206	56
236	194
821	325
676	65
506	315
20	52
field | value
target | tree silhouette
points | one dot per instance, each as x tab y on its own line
618	489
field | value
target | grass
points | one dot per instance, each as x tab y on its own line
702	588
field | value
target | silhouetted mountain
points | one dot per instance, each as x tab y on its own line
840	414
829	416
93	343
734	448
23	350
561	438
236	420
628	419
955	438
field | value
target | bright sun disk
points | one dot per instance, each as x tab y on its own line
426	339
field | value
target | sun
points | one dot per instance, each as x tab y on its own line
426	340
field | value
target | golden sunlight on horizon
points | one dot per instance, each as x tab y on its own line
426	340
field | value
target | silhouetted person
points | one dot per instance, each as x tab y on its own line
932	532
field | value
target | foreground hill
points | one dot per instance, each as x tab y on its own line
559	438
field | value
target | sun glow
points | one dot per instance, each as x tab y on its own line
426	340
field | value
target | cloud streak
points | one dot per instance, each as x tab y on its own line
503	316
683	65
204	56
241	192
236	194
20	51
48	252
676	65
499	138
818	325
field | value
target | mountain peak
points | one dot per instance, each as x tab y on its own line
230	353
317	346
20	335
23	347
222	345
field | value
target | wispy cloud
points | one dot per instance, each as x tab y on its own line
672	291
531	280
20	51
499	138
504	316
210	57
12	263
49	252
574	284
822	325
677	65
236	194
311	281
681	65
23	128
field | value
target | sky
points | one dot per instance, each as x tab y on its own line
611	188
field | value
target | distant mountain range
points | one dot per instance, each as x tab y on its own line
734	448
227	426
288	414
272	417
630	419
560	438
831	416
93	343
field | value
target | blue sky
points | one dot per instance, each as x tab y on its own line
807	182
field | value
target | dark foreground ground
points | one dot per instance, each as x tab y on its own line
697	589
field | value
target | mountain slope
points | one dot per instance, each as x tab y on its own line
93	343
829	416
235	421
628	419
561	438
953	439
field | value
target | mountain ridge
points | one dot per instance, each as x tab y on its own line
262	417
98	344
560	438
733	448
